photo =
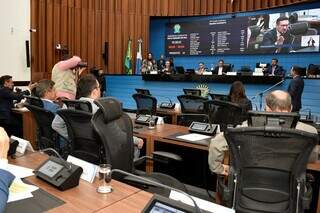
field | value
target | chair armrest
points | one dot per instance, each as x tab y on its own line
159	156
167	155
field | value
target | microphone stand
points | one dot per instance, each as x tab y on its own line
197	209
264	91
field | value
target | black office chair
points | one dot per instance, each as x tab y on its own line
146	104
115	130
224	113
84	142
33	100
78	105
192	109
46	136
268	166
221	97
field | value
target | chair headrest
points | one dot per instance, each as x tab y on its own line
110	107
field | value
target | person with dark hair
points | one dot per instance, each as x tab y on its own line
201	69
168	69
274	69
161	62
220	69
149	64
295	89
279	39
237	95
7	98
276	101
99	74
65	74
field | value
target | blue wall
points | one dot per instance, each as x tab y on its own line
122	87
157	44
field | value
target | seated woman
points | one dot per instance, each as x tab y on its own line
168	69
237	95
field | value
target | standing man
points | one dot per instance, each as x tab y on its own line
274	69
279	39
295	89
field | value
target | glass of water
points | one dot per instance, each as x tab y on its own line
104	179
152	123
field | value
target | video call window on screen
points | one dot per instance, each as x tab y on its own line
286	32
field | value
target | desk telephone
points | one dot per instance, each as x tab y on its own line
203	128
145	119
59	173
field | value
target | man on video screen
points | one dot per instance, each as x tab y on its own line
279	39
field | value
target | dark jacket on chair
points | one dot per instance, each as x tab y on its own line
295	90
7	96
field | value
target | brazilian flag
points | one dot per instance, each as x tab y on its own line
128	60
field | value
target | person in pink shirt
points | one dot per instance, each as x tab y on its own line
65	74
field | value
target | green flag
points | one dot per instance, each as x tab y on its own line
128	59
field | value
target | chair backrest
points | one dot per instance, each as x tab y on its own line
281	119
221	97
192	104
146	104
46	136
35	101
268	163
195	92
115	129
84	143
78	105
143	91
224	113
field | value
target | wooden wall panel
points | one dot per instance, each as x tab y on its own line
84	25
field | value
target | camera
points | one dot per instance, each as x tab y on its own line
82	64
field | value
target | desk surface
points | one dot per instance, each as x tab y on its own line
84	197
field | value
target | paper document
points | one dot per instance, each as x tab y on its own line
193	137
89	170
20	190
19	171
203	204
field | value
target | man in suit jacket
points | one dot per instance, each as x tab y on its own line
295	89
279	39
7	98
6	177
274	69
220	69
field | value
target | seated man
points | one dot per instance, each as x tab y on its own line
274	69
276	101
201	69
46	91
6	177
7	99
220	69
89	90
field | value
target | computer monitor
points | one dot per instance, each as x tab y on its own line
314	69
143	91
179	70
282	119
190	71
302	71
195	92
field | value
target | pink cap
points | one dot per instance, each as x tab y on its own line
69	63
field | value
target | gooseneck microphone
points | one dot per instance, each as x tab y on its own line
154	183
65	163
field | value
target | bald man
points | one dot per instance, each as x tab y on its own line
276	101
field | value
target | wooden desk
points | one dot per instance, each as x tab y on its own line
28	125
82	198
174	113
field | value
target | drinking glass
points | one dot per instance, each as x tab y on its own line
152	123
104	179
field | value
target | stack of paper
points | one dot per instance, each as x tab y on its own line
18	189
